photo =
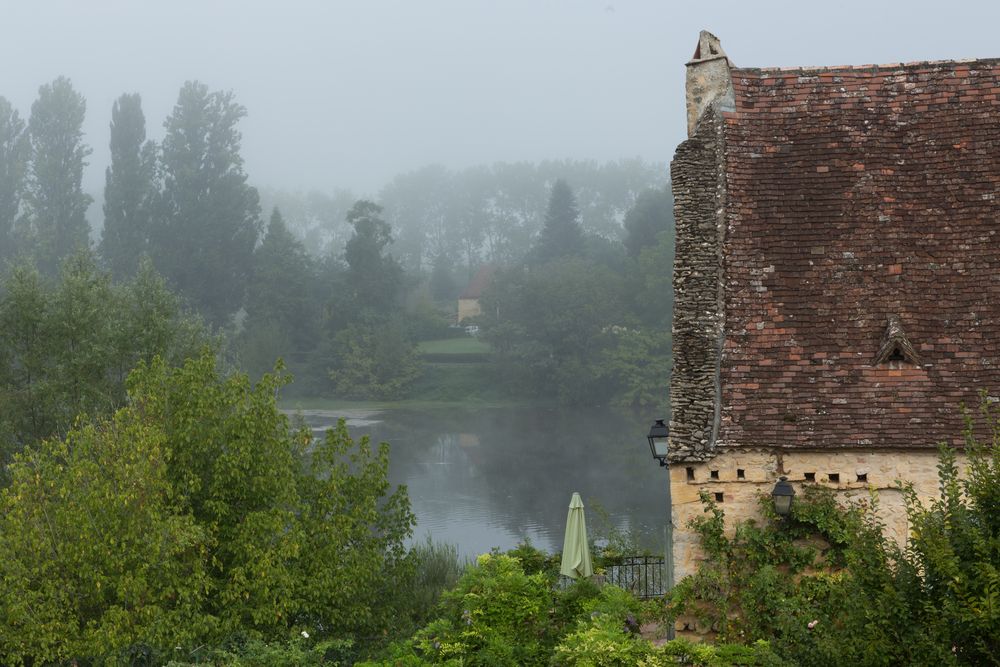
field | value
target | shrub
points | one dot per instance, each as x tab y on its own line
192	515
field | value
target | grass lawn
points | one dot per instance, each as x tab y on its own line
464	345
455	373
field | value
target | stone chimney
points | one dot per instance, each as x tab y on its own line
708	80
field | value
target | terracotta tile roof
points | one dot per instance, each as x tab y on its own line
856	195
480	282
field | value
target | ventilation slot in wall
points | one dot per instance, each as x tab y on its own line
718	496
810	477
833	476
741	473
714	474
690	474
862	477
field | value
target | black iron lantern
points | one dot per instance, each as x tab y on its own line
783	494
658	434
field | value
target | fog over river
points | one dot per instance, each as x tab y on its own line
492	477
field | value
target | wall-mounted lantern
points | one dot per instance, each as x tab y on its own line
658	435
783	494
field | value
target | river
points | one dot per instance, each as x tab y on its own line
493	477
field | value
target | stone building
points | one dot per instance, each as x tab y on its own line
837	278
468	300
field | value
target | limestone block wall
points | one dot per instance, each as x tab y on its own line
736	477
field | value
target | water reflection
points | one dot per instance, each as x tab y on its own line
493	477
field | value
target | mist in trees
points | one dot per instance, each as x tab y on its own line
580	319
67	344
209	220
131	189
55	220
13	166
343	288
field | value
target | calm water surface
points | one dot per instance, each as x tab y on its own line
493	477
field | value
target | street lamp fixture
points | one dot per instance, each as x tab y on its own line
783	494
658	435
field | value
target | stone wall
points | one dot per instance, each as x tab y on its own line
709	81
736	477
699	201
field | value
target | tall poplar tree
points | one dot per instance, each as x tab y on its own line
207	226
13	162
129	190
56	204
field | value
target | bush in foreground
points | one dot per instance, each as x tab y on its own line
193	515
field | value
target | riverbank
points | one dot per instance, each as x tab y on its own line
455	373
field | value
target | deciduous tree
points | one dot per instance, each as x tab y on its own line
13	166
56	204
207	227
130	189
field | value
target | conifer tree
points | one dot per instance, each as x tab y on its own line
130	188
56	204
562	234
282	313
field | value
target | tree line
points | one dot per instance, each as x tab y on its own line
346	287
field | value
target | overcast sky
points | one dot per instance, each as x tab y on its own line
346	94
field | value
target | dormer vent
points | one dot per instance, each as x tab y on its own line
895	345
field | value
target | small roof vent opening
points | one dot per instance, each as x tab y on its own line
895	345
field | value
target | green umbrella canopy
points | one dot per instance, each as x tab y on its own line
576	555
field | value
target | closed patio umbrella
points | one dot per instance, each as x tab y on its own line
576	554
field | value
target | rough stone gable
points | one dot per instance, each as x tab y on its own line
849	196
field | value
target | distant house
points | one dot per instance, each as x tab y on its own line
837	278
468	301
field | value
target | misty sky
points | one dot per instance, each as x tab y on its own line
348	94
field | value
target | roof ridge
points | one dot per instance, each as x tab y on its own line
871	67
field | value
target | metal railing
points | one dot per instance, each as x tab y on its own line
644	576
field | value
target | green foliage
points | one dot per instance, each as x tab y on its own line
604	635
636	366
655	290
257	653
96	556
495	212
556	320
497	615
13	167
534	560
130	189
56	217
443	286
209	219
374	278
67	347
826	586
374	359
193	515
437	568
283	305
683	652
652	214
561	234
